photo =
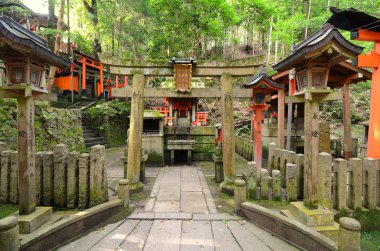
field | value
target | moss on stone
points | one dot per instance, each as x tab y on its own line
155	158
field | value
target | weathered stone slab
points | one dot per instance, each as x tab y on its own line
167	206
4	176
13	186
291	182
341	196
29	223
245	238
324	179
136	240
165	235
197	235
98	178
141	216
72	179
371	167
276	185
300	175
271	158
38	163
356	166
223	238
251	179
193	202
113	240
48	182
84	180
173	216
264	184
3	147
60	186
215	217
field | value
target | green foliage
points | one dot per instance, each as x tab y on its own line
244	130
111	109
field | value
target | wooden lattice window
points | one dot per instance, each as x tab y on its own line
182	77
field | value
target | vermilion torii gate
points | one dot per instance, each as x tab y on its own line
226	70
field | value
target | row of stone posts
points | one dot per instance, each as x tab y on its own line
244	147
63	179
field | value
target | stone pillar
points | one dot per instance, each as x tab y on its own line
189	157
347	146
228	134
276	185
355	146
251	180
84	174
48	182
13	196
39	174
272	147
300	170
72	179
349	234
240	193
264	184
291	181
311	150
4	176
218	161
25	148
193	109
281	118
60	186
135	133
371	166
123	192
324	137
170	108
324	179
9	236
341	193
98	177
356	166
172	157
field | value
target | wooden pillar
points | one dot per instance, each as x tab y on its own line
83	76
135	133
227	185
25	147
281	118
311	152
347	140
258	136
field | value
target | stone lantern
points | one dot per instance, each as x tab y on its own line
25	56
262	87
312	77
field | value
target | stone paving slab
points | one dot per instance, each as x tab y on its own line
223	238
113	240
136	240
193	202
142	216
165	235
215	217
173	216
167	207
197	235
245	238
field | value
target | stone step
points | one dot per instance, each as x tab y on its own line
94	139
88	145
88	135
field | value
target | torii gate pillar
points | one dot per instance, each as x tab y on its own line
227	186
135	133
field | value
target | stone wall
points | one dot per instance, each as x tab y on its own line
52	126
63	179
342	184
244	147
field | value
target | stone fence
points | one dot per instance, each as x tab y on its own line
63	179
342	184
244	147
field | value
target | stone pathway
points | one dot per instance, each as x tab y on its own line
180	215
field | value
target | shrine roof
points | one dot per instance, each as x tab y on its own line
24	41
256	81
319	42
352	19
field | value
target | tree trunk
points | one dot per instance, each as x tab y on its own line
57	44
270	38
51	23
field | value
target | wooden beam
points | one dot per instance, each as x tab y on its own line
321	97
365	35
126	92
371	60
240	67
365	73
280	74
